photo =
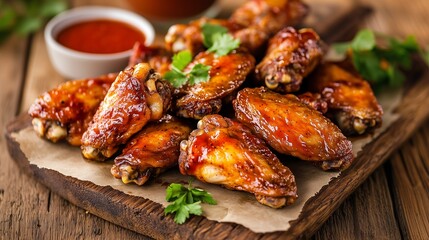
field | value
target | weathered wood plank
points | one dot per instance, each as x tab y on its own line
409	177
366	214
12	62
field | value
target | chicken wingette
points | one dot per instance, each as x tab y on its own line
136	97
351	101
66	111
223	151
291	56
292	127
151	151
227	74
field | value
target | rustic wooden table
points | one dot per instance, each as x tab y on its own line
393	203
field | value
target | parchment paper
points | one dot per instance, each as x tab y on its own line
233	206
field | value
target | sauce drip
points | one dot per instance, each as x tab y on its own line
100	36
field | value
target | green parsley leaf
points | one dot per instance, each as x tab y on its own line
199	73
185	201
209	30
381	66
177	77
181	60
223	44
363	41
217	39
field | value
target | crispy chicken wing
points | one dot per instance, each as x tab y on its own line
253	24
351	101
291	55
189	36
151	151
137	96
227	73
270	15
66	111
157	57
223	151
291	127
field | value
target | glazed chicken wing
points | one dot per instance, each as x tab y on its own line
223	151
189	36
270	15
291	55
351	101
66	111
137	96
291	127
227	73
151	151
252	24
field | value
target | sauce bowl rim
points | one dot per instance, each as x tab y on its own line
82	14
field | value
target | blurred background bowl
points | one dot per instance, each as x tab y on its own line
74	64
174	10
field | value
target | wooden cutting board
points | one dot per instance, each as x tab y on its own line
147	217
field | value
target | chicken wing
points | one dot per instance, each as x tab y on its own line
291	55
270	15
291	127
137	96
227	73
151	151
66	111
351	101
252	24
189	36
157	57
223	151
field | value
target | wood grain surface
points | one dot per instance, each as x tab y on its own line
391	204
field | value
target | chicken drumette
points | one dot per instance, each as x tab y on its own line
223	151
351	101
291	127
151	151
137	96
66	111
227	73
291	56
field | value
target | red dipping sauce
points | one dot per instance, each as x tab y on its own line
101	36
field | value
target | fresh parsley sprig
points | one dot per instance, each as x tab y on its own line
27	16
186	201
177	77
381	66
217	39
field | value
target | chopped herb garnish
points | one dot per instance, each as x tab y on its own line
177	77
186	201
217	39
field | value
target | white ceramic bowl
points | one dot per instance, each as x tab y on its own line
74	64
